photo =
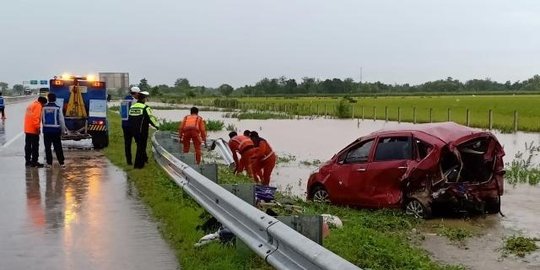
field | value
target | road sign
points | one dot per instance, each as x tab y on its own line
33	81
43	82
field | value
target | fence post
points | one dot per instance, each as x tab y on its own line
398	115
362	113
468	119
385	113
449	114
490	120
414	115
325	110
515	121
374	113
431	115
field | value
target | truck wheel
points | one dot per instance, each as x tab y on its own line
417	209
100	140
493	206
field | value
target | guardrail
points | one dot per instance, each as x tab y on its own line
280	245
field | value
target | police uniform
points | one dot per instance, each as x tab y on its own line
140	117
53	127
128	135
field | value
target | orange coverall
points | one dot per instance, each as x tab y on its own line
244	146
265	161
192	129
32	118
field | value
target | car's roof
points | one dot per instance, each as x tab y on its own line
445	131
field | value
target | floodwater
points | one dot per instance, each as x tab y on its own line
86	216
317	139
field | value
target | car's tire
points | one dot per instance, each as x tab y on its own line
417	209
320	194
493	206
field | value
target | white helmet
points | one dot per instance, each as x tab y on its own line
135	89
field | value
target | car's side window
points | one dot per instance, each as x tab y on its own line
422	149
393	148
359	153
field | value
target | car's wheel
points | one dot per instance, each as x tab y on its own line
493	206
417	209
320	194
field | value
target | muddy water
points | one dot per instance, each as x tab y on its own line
86	216
308	140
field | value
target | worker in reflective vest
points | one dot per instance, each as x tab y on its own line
265	158
32	128
2	106
124	115
193	129
140	117
53	128
244	146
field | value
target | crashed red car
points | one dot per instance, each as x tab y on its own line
418	167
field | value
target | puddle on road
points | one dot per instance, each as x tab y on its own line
310	140
81	217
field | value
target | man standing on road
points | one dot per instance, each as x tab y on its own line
140	117
124	114
32	126
2	106
193	129
53	128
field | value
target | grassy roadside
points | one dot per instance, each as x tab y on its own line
369	239
177	214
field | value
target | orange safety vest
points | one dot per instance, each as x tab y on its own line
193	122
265	151
240	143
32	118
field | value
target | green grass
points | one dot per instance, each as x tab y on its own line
503	107
519	245
211	125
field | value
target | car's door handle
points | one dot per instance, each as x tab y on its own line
361	170
402	167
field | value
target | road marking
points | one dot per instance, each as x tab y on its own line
11	141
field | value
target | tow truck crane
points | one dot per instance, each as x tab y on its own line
84	103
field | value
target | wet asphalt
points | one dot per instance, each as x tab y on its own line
86	216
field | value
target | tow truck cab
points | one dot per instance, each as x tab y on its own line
84	103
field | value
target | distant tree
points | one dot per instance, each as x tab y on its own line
190	94
182	83
18	89
226	89
154	91
4	86
144	86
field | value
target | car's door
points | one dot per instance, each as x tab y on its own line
391	158
347	176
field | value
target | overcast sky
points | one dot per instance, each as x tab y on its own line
239	42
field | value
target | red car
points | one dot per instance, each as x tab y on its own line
418	167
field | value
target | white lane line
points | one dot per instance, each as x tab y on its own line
11	141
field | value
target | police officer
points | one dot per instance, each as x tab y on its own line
124	114
140	117
53	128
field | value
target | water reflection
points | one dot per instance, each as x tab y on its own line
45	212
2	132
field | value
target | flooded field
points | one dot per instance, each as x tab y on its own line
305	142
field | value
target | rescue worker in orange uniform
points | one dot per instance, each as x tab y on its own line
193	129
265	159
244	146
32	126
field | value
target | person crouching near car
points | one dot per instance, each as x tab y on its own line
265	158
243	145
53	128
